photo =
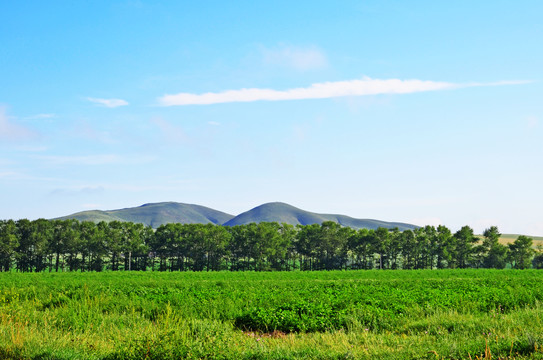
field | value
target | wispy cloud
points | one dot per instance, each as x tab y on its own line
12	131
109	103
298	58
325	90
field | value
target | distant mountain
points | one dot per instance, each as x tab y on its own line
157	214
171	212
281	212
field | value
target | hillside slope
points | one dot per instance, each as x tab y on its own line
281	212
156	214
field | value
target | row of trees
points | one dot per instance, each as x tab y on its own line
70	245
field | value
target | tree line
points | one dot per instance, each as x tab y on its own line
71	245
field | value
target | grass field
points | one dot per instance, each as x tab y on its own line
457	314
510	238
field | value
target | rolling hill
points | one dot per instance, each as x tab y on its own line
281	212
156	214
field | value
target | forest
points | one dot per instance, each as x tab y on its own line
70	245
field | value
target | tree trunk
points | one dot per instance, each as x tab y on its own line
56	262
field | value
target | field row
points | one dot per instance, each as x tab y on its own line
333	314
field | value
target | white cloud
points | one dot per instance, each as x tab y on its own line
109	103
298	58
11	131
359	87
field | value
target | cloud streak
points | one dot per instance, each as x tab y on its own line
109	103
325	90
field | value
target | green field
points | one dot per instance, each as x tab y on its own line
457	314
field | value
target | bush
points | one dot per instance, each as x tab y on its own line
298	316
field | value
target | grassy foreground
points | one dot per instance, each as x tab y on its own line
459	314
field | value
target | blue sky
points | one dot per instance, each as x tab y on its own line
416	111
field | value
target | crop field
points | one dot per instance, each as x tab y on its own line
432	314
510	238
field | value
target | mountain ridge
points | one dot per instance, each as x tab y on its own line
293	215
156	214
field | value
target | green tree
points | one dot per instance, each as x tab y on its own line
131	243
73	245
537	261
465	242
521	252
216	246
8	243
285	257
332	251
25	250
409	249
307	244
380	243
97	245
394	248
496	253
238	247
42	234
114	243
426	244
167	241
360	245
445	247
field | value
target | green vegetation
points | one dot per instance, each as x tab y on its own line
445	314
70	245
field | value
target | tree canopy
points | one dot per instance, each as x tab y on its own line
71	245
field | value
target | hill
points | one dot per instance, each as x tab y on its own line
281	212
157	214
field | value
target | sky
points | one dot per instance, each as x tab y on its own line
425	112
